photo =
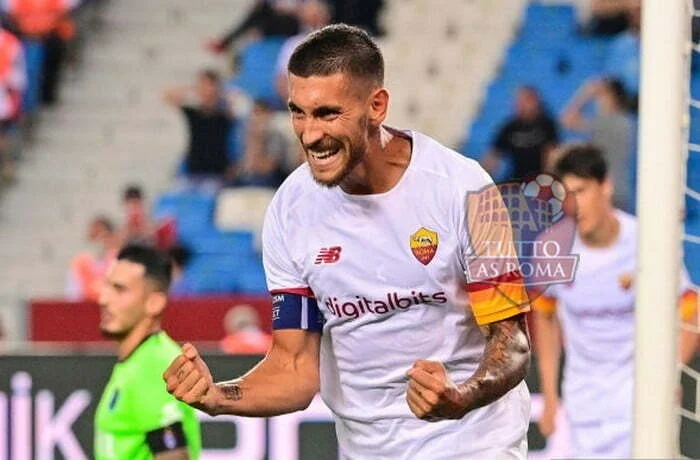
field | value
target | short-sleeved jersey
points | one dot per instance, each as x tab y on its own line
387	272
135	403
596	312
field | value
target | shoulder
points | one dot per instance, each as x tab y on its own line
299	191
628	226
156	354
440	163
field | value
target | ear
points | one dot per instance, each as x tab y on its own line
608	189
379	106
155	303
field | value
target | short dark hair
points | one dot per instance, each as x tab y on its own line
338	48
179	255
211	75
156	264
132	192
582	160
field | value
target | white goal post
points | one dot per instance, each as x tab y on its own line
663	103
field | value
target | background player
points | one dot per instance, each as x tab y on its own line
136	418
596	313
368	244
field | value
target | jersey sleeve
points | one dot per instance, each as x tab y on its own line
495	285
294	305
280	271
544	302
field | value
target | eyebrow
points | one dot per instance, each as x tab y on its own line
318	111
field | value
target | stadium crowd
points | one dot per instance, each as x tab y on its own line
37	40
602	111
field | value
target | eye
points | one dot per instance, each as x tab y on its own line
329	116
327	113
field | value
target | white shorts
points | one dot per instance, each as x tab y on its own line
601	438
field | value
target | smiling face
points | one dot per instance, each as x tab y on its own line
333	117
593	202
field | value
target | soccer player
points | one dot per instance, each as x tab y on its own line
365	250
136	418
595	313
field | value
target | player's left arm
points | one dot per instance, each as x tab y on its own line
168	442
432	395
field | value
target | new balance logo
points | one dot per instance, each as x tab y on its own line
328	255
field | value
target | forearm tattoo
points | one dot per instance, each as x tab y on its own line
232	390
504	364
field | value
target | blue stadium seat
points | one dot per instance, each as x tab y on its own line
691	253
252	279
257	75
193	211
215	242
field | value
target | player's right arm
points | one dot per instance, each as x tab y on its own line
286	380
548	348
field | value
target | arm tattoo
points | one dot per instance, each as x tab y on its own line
232	390
504	364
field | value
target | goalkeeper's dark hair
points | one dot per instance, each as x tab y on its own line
157	266
582	160
338	48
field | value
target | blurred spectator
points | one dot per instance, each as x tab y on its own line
622	61
361	13
180	285
243	333
266	150
313	15
527	137
49	22
88	269
266	18
13	81
209	121
611	129
137	226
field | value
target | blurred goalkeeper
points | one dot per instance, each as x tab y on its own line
365	250
136	418
595	313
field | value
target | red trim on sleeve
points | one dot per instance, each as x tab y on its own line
302	291
510	277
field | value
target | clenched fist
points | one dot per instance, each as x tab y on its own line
189	380
431	395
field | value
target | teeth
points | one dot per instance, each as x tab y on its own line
323	155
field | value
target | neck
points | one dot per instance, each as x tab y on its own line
606	233
386	159
137	335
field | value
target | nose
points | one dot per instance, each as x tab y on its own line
103	298
310	133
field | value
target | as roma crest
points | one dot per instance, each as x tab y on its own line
424	245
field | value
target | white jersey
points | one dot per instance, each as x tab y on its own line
596	312
388	273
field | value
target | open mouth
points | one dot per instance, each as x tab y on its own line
323	156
